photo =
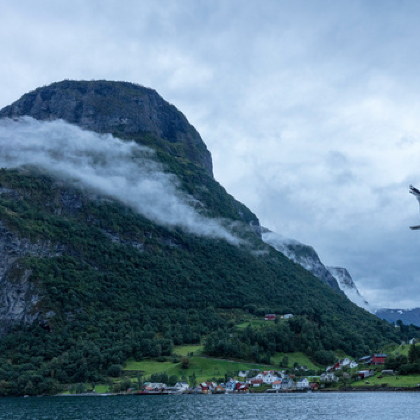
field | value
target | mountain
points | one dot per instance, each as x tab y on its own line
117	242
337	278
348	286
407	316
301	254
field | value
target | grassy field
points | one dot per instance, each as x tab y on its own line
297	357
254	323
206	368
185	350
401	350
390	381
102	389
203	368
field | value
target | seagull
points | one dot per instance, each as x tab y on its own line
416	193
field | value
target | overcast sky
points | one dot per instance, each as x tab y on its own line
311	109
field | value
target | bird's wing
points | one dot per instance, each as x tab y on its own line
415	192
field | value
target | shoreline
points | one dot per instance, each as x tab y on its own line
323	391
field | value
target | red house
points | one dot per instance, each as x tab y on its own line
242	387
378	359
270	317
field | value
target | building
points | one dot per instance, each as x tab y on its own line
378	359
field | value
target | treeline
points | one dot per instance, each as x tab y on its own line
300	333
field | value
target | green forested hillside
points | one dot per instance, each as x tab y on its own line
109	299
100	283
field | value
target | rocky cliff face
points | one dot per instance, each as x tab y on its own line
301	254
337	278
348	286
124	109
19	296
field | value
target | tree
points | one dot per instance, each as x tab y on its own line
114	371
185	362
284	362
173	379
413	353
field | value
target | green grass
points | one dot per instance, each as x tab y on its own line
150	366
185	350
203	368
254	323
102	389
391	381
301	358
401	350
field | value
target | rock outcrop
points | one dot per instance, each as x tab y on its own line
18	295
348	286
125	109
301	254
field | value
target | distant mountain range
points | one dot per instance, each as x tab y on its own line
407	316
336	277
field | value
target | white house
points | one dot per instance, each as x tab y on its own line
302	383
276	385
348	362
328	378
182	386
270	378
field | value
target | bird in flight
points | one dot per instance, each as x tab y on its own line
416	193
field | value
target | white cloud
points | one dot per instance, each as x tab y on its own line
123	170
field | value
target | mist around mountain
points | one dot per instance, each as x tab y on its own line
117	242
348	286
306	256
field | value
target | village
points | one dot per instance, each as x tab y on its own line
271	381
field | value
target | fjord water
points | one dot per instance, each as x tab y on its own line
337	406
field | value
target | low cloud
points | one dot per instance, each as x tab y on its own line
123	170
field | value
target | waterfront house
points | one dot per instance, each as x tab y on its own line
270	378
182	386
242	387
256	382
288	385
276	385
208	387
302	383
231	386
328	378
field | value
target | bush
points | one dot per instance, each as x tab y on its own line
114	371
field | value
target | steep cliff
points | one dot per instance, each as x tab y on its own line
348	286
301	254
124	109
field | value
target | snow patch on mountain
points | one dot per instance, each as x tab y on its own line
348	286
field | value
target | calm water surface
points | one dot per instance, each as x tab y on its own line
340	406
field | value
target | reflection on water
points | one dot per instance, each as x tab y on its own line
337	406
